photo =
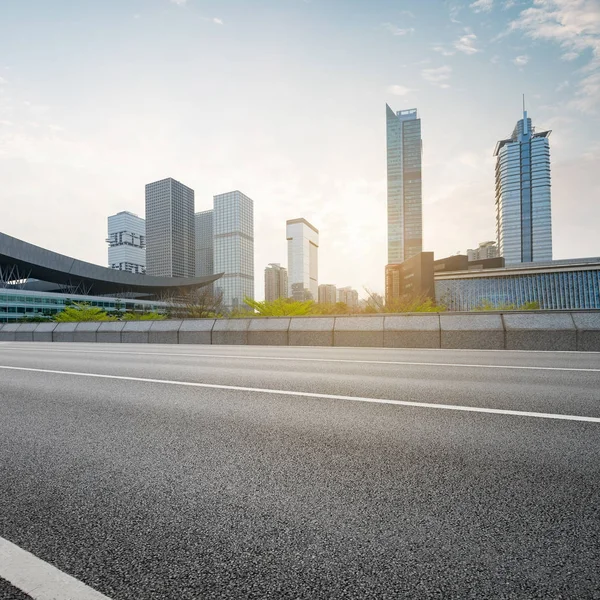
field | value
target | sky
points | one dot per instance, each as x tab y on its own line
285	101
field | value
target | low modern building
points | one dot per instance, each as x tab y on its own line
276	282
561	284
127	242
327	293
33	277
411	279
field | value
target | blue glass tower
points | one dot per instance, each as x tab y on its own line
523	203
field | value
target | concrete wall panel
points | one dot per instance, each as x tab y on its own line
86	332
540	331
588	331
136	332
165	332
231	331
63	332
196	331
358	331
25	332
110	332
478	331
43	332
311	331
270	331
8	332
411	331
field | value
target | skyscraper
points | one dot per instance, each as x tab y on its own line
404	190
233	238
276	282
523	202
303	260
348	296
484	251
327	293
204	243
170	230
127	242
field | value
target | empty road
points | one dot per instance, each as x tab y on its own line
180	472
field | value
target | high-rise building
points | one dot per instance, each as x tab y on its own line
204	243
327	293
127	242
303	259
233	238
170	229
404	188
484	251
523	208
411	280
348	296
276	282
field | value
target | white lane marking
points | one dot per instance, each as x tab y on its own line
324	360
39	579
237	388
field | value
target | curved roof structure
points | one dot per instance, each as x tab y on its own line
39	263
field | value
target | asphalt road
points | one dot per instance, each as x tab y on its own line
145	489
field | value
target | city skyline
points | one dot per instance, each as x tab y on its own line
65	147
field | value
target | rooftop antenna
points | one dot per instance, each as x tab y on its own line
525	123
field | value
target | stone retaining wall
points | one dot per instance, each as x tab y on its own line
532	330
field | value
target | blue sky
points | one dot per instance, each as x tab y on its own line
285	100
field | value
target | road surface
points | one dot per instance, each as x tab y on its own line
151	471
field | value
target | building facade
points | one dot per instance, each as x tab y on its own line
413	279
404	185
523	201
170	229
483	251
276	282
127	242
348	296
562	284
204	243
327	293
303	259
233	238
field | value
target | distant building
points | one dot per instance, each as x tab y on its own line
276	282
303	259
204	243
127	242
404	187
348	296
410	280
523	202
327	293
556	285
485	250
460	262
170	229
233	235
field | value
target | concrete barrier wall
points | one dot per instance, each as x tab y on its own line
535	330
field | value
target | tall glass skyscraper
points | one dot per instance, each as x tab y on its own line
233	229
405	211
170	230
523	208
303	260
204	243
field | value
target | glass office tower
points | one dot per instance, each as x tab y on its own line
170	229
523	203
404	190
233	229
303	260
204	243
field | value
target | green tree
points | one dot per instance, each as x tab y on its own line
77	312
282	307
148	316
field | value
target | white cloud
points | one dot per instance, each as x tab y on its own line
395	30
443	50
562	86
509	4
179	2
399	90
466	44
3	81
438	76
217	21
575	26
521	61
482	5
